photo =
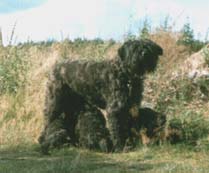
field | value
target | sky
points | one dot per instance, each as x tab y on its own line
41	20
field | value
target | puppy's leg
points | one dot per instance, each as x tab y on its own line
91	130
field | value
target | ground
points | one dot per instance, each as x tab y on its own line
165	158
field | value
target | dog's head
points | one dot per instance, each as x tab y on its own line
140	55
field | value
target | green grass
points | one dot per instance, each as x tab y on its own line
166	158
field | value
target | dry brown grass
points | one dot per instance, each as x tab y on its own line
173	56
27	104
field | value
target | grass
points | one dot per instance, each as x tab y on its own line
165	158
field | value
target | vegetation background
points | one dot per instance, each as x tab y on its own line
179	89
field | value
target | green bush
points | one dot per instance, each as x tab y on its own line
203	83
188	128
197	45
186	90
179	92
13	70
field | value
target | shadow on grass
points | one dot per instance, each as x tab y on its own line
66	160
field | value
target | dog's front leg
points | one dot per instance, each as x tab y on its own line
118	121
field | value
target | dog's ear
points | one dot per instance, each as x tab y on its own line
128	49
153	47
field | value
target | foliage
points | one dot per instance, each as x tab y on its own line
188	128
179	92
165	25
203	83
145	30
187	38
129	36
178	101
13	70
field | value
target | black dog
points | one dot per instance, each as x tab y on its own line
150	123
78	90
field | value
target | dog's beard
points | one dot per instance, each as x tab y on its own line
151	66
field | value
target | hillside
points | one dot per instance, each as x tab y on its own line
178	89
180	80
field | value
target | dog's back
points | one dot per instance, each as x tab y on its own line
91	79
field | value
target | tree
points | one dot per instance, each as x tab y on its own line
145	31
187	37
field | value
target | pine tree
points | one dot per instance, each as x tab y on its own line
145	31
187	37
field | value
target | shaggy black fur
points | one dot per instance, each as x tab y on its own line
91	130
149	121
114	85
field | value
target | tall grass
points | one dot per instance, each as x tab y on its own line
14	65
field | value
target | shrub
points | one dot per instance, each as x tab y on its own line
13	70
188	128
203	83
197	45
179	92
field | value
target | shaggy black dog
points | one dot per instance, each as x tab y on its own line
78	90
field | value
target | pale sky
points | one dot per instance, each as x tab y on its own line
40	20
